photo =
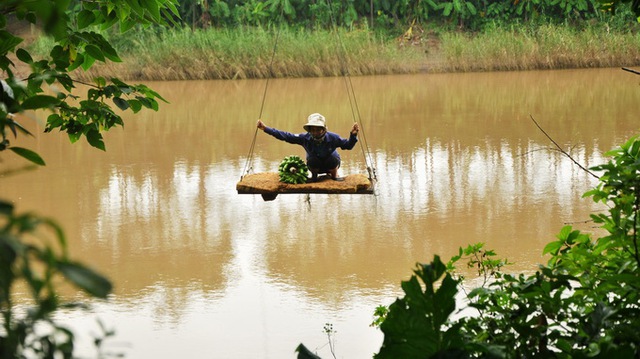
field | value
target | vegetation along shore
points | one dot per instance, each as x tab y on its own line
242	47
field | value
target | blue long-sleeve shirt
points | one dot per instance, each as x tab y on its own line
321	150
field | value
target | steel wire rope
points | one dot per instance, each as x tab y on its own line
355	110
248	164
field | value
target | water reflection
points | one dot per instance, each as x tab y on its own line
202	270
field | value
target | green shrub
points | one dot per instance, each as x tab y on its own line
583	303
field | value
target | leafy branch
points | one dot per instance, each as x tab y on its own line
33	249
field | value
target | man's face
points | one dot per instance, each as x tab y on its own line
317	132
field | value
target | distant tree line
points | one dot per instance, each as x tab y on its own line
465	14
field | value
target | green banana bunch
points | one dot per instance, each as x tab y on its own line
293	170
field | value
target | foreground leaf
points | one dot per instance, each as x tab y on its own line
28	154
86	279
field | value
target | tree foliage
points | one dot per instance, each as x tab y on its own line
49	85
26	258
469	14
583	303
33	250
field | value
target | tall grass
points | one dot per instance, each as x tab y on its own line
240	53
545	47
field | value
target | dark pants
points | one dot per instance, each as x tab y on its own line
323	165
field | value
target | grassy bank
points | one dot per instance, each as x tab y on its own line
246	52
546	47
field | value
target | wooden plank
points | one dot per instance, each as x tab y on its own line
269	183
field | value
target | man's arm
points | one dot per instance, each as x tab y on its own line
348	143
281	135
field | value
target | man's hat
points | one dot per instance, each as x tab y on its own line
315	120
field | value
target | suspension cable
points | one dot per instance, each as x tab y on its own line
355	111
248	164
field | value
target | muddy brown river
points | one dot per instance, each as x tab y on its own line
203	272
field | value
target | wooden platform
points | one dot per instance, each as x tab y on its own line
269	186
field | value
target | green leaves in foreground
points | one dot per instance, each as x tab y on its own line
94	114
416	325
28	154
33	252
9	125
583	303
86	279
76	44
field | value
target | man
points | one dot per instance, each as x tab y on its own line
321	145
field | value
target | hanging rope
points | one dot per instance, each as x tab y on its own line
355	110
248	164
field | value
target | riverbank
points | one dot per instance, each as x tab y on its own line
244	53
